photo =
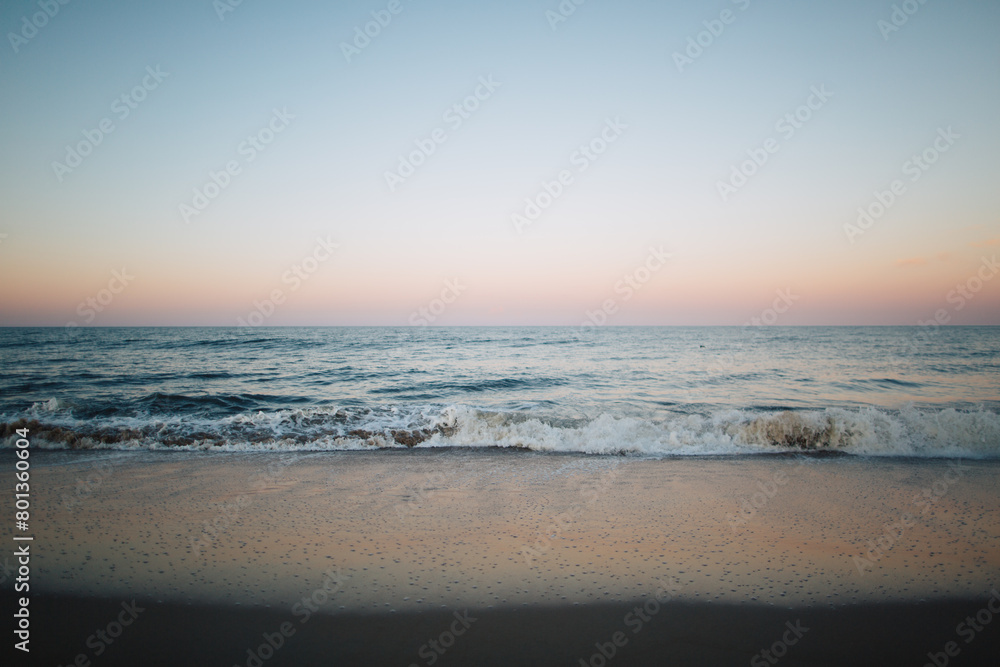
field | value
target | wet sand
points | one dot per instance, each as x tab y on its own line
679	634
368	555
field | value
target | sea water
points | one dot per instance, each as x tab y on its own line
640	391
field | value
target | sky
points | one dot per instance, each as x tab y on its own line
531	162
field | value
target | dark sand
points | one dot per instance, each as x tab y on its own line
388	546
679	634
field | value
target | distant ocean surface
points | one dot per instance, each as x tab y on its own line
647	391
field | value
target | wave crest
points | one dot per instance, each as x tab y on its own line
864	431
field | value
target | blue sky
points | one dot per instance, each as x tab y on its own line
348	122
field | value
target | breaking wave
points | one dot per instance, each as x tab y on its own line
913	432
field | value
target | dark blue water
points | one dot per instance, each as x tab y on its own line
646	390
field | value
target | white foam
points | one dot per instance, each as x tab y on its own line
864	431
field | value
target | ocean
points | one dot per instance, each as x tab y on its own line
636	391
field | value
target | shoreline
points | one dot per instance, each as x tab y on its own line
47	449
